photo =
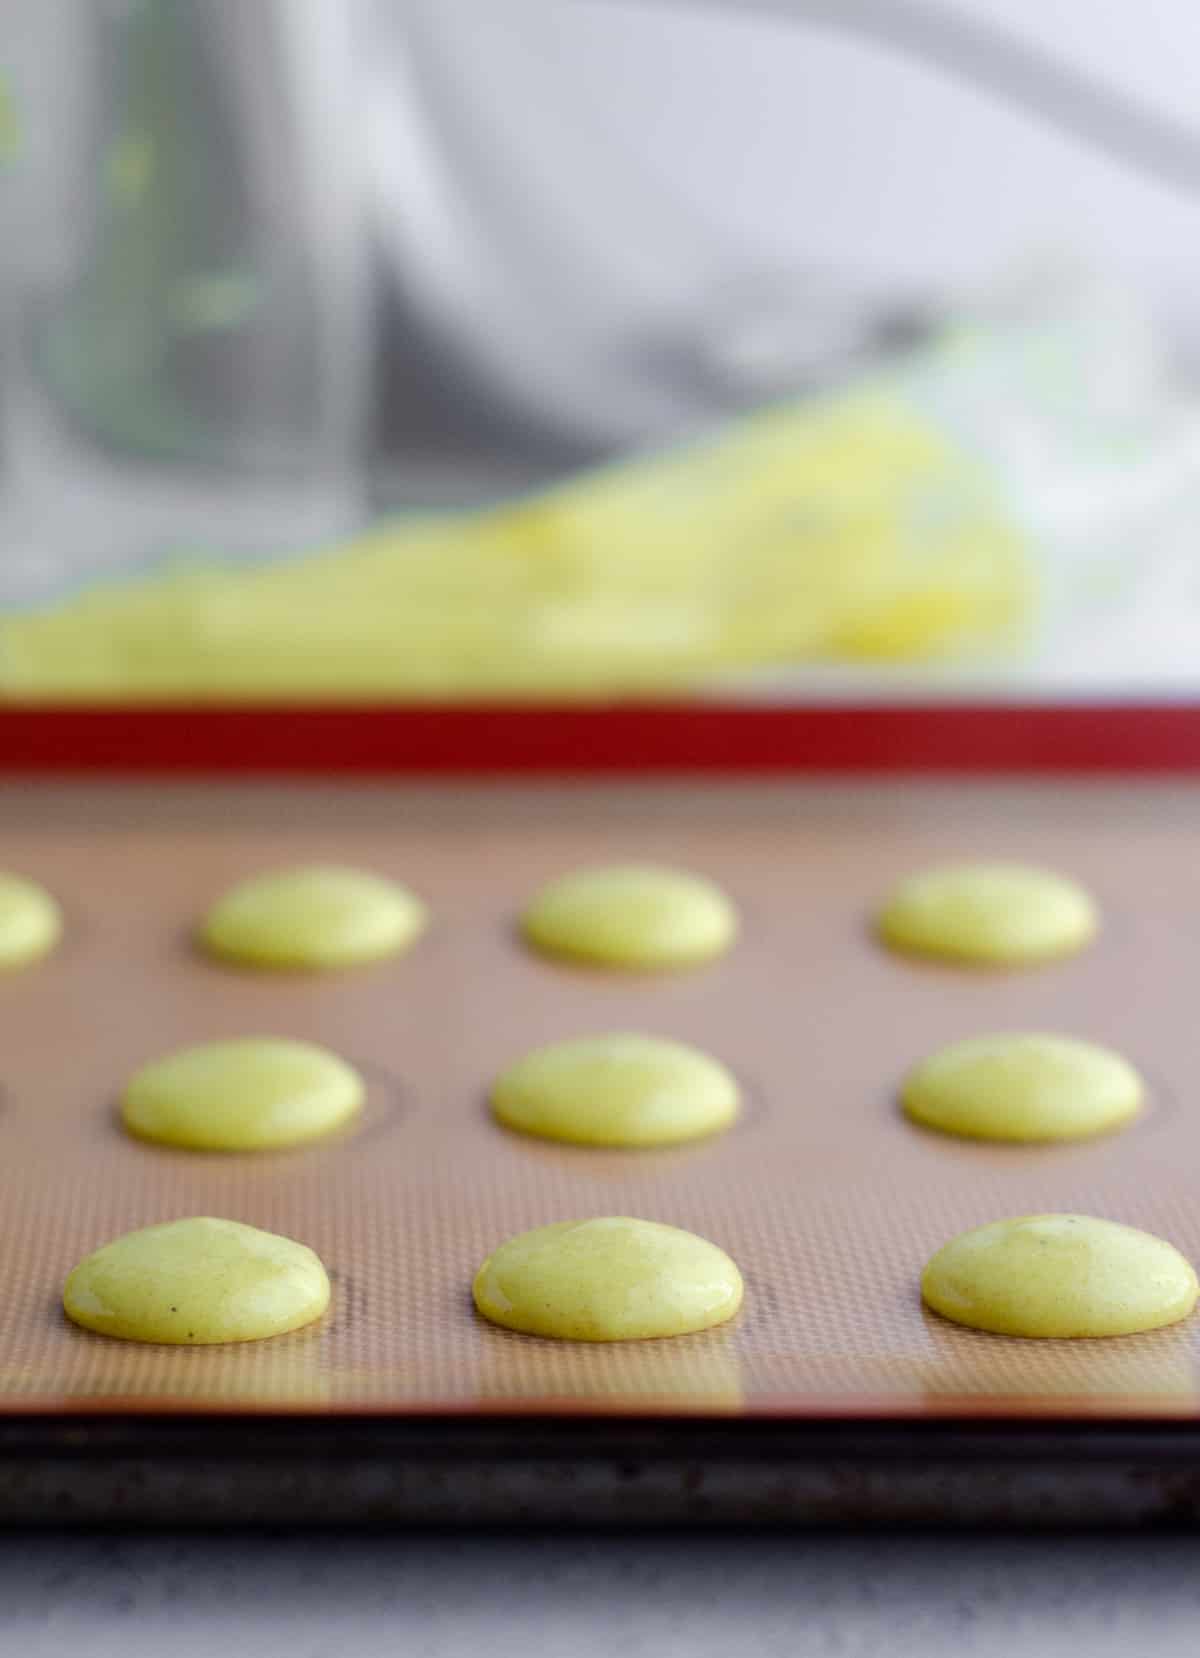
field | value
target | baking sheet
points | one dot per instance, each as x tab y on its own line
827	1198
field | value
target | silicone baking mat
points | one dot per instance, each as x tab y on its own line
826	1197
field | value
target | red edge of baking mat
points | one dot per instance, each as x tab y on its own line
658	737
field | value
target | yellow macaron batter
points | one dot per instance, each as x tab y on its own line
616	1090
314	916
197	1281
1059	1275
634	916
30	921
1023	1086
609	1279
989	914
249	1094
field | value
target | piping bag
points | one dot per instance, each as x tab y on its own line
917	516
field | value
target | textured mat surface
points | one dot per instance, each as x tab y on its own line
826	1197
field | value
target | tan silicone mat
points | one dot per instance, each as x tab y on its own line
826	1197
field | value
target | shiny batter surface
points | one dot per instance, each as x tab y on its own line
1023	1086
317	916
30	921
990	914
616	1090
197	1281
244	1095
1059	1275
611	1279
633	916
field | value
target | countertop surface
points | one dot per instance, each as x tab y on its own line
336	1597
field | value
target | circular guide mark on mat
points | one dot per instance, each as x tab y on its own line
754	1107
762	1293
384	1106
1160	1105
347	1302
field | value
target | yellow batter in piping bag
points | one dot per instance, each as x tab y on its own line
855	527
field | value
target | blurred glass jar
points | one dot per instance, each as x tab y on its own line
189	367
275	248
